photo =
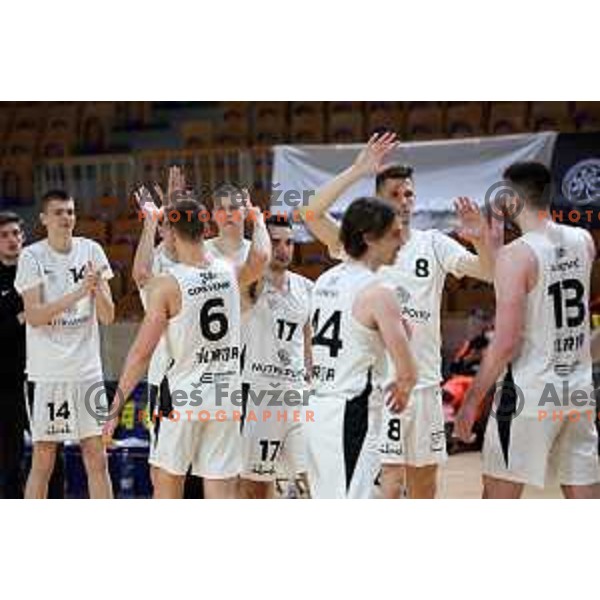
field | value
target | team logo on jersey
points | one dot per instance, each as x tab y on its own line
581	184
402	294
284	356
78	275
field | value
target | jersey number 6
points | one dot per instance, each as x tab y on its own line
213	324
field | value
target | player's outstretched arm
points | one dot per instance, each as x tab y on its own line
259	255
316	214
515	269
380	310
144	255
486	233
162	291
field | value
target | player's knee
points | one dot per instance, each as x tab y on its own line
254	490
94	457
581	492
422	482
44	457
393	474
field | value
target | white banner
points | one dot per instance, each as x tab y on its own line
443	170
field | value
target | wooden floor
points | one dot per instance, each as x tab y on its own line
461	478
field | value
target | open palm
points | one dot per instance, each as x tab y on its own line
370	159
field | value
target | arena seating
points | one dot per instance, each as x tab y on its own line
227	141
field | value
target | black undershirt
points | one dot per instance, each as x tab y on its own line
12	333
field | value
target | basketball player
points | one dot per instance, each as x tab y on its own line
64	284
232	205
356	318
197	305
413	444
277	337
148	263
542	341
229	203
13	416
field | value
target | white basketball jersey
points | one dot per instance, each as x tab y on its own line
347	356
204	338
418	276
273	333
159	363
240	256
556	339
69	348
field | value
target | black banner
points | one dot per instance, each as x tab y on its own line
576	180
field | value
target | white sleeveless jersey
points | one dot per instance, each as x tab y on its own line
159	363
273	333
204	338
556	339
69	348
347	356
418	276
240	256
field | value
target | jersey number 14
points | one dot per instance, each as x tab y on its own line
329	334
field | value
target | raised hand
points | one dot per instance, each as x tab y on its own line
250	212
90	280
176	184
475	227
473	223
370	159
145	201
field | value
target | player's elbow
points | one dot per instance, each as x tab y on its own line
35	318
106	314
107	317
261	257
488	276
141	276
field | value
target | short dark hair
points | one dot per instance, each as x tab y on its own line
51	195
365	216
7	217
533	179
278	220
188	219
229	189
394	172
